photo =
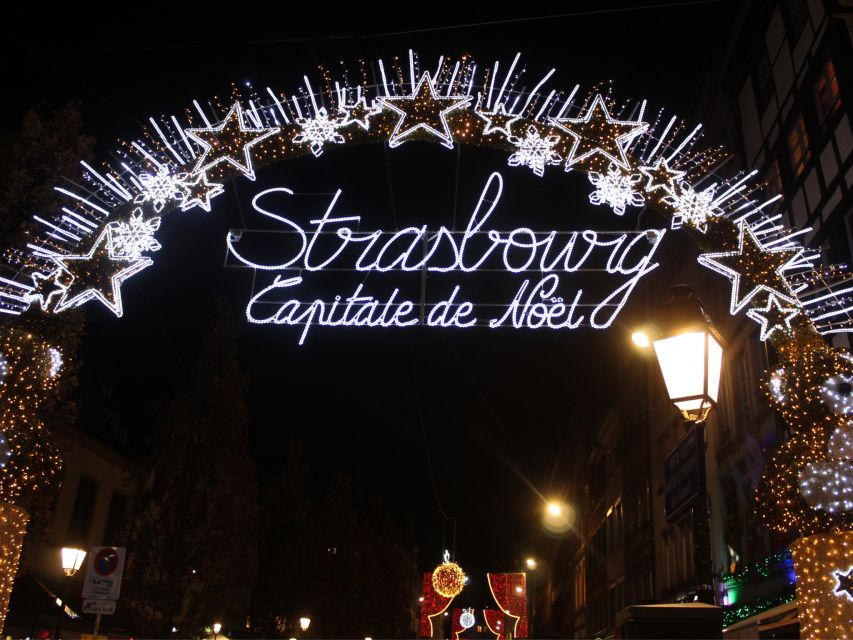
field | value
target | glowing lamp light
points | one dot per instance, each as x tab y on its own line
72	560
641	339
531	563
518	589
304	623
217	627
690	354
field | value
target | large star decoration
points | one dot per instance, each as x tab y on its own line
753	267
845	582
498	121
774	316
661	176
597	134
358	113
46	286
198	191
97	274
228	142
424	110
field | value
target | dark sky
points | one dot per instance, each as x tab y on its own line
498	408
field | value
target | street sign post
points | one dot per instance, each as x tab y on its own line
684	473
100	607
103	573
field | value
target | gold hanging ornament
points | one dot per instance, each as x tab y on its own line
448	579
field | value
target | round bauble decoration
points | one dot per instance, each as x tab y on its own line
448	579
467	619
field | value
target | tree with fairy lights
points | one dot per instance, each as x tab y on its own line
192	554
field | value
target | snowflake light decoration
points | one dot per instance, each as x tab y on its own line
534	151
132	238
777	385
4	366
693	207
54	363
318	131
616	188
160	188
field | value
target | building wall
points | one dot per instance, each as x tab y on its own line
90	504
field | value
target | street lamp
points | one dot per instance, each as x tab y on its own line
531	563
304	623
217	627
689	351
72	560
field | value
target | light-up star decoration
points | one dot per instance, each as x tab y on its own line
46	287
774	316
198	191
845	582
230	142
753	268
661	176
97	274
358	113
498	121
599	139
425	110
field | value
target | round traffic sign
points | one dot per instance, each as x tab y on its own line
105	561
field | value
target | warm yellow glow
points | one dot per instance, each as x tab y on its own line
304	623
558	517
682	360
217	627
518	589
13	526
531	563
825	608
72	560
448	579
641	339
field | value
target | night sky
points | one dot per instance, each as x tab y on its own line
499	409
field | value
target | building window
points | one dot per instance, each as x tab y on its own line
796	13
798	146
762	81
775	187
115	518
84	509
826	94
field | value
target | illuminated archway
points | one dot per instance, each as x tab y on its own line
106	234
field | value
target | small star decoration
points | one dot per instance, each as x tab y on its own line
845	582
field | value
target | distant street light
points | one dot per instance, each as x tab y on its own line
690	354
72	560
304	623
531	563
558	517
216	629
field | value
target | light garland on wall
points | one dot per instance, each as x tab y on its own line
825	606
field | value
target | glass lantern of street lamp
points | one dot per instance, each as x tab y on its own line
72	560
304	623
531	563
689	351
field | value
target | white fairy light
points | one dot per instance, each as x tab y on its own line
232	122
837	394
498	120
5	451
411	119
467	619
46	286
616	188
107	289
776	385
828	485
534	150
4	366
318	130
787	256
694	208
55	363
159	188
358	113
133	238
774	316
198	191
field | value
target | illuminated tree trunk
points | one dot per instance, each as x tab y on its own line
13	526
824	566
